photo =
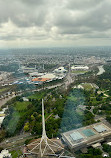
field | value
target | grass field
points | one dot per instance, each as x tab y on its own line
20	106
3	89
13	122
18	110
37	96
87	86
16	153
79	71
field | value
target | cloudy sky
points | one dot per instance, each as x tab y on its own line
36	23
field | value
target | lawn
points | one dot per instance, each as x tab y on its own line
79	71
16	153
11	126
87	86
37	95
3	89
21	106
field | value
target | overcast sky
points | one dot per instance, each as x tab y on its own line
27	23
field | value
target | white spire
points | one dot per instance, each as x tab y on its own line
43	121
46	146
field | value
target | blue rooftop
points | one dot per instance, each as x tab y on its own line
88	132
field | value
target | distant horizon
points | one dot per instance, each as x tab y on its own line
55	47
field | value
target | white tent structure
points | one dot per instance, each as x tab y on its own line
5	153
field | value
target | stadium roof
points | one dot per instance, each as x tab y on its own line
79	67
49	75
60	69
41	79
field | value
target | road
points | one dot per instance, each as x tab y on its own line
4	101
69	80
16	141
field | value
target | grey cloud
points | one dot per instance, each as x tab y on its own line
22	13
33	2
9	38
69	18
23	37
27	20
83	4
95	19
97	35
75	30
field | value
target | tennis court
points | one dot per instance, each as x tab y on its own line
88	132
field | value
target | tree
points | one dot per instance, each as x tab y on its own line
1	149
2	135
108	118
26	127
106	148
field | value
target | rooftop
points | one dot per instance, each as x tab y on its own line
76	136
88	132
100	128
41	79
49	75
86	135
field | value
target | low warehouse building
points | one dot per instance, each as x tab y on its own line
86	136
